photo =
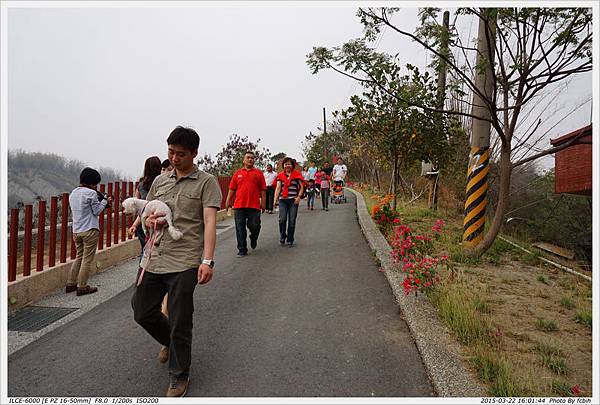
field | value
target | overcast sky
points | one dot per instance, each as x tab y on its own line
107	85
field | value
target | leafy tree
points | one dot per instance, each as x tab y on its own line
323	147
396	132
230	158
530	49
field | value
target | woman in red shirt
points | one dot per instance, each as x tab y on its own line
290	186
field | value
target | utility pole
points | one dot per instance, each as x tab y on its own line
441	93
479	158
324	122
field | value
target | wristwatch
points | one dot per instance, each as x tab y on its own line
209	262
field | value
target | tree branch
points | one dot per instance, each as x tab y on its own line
548	151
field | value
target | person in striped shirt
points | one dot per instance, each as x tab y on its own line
290	186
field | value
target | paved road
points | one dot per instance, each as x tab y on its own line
314	320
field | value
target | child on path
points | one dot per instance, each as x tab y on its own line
310	194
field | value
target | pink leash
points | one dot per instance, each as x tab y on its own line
152	240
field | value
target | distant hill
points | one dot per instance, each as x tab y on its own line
33	175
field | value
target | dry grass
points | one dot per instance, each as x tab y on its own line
509	312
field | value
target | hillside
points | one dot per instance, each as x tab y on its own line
33	174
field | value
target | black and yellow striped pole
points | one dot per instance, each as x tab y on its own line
479	158
476	202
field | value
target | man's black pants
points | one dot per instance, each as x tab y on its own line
270	197
176	331
249	217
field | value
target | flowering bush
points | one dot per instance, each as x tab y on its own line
413	253
382	212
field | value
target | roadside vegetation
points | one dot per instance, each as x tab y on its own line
524	327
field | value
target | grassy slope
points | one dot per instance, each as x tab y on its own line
525	328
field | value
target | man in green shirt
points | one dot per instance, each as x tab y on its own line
176	266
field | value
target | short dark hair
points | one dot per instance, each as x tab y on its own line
288	159
186	137
249	152
165	164
89	177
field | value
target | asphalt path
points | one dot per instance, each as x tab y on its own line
315	320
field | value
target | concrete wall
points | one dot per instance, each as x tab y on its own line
25	290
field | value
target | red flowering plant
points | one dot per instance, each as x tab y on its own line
413	253
382	212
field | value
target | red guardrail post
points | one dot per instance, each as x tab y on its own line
116	204
131	219
13	245
123	216
109	218
64	223
53	218
101	224
39	264
27	240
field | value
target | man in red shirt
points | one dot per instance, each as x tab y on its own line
248	184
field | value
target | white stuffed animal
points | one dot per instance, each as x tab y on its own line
135	206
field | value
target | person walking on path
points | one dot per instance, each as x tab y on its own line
324	191
290	186
86	205
249	186
310	194
177	266
327	169
339	172
318	176
312	171
270	176
152	168
305	173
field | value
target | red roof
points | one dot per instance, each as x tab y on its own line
581	132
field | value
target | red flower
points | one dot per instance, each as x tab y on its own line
576	390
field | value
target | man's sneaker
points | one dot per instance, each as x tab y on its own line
290	244
282	242
242	254
178	387
163	354
253	243
86	290
70	288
